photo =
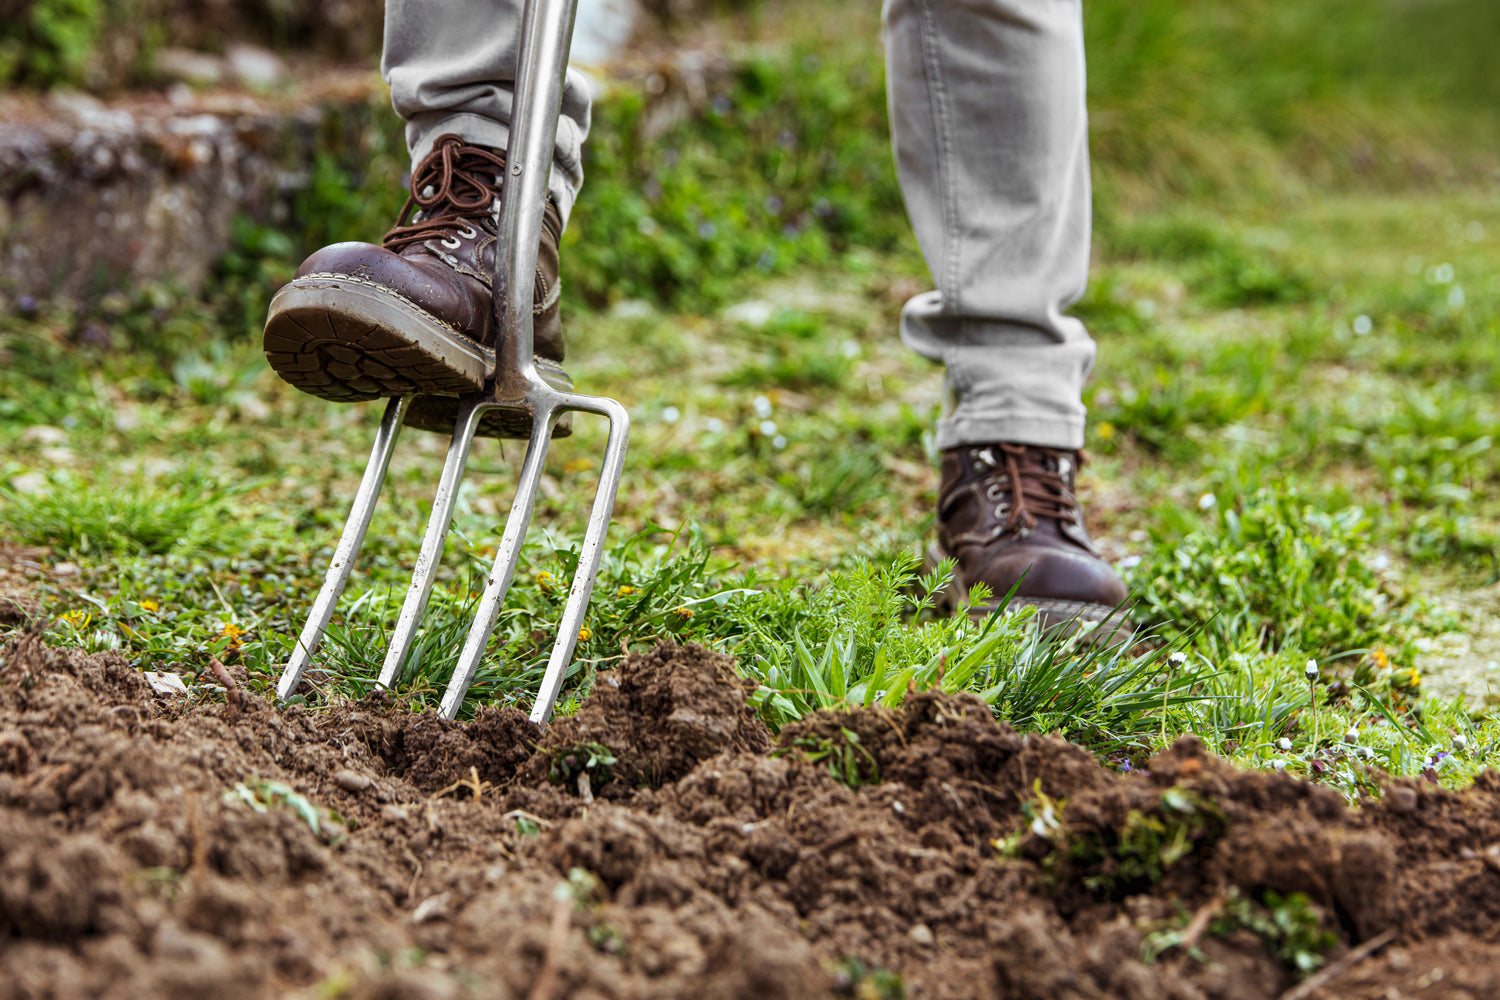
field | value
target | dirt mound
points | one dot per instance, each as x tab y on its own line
433	753
653	721
167	848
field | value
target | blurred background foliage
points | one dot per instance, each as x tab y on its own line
777	157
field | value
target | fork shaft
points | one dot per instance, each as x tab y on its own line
469	412
348	547
546	34
506	558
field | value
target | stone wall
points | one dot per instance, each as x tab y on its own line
96	195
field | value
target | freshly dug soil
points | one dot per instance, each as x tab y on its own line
698	859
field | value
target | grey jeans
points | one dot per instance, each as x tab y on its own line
990	133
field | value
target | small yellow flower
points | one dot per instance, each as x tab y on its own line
233	632
627	590
584	635
683	612
150	605
579	465
77	619
543	579
1380	659
1406	679
1105	431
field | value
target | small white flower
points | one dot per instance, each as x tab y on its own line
778	442
1207	501
1177	659
762	406
1284	745
714	425
1363	325
1045	823
1352	736
1311	670
671	415
1460	743
1278	764
768	428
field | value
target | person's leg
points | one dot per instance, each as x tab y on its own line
452	69
990	134
414	316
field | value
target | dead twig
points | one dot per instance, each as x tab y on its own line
1305	989
1200	922
476	787
233	696
516	814
838	840
557	940
416	871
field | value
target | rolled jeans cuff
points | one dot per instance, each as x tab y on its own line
423	131
1006	381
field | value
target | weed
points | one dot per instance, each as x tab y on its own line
1113	862
1290	926
566	764
263	796
139	515
1278	570
850	764
854	978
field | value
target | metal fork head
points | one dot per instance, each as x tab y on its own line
545	405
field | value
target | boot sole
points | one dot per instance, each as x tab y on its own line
1106	625
347	340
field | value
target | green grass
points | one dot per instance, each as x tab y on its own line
1292	420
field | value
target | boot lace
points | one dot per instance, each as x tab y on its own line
1038	488
453	183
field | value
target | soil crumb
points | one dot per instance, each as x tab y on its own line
168	848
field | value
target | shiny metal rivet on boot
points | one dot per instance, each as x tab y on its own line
547	29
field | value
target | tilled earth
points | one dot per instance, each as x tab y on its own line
700	857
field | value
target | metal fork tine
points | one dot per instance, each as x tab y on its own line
469	412
506	558
591	551
348	548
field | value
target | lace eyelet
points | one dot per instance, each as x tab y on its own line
467	233
450	243
994	491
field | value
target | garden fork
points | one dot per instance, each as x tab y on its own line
517	387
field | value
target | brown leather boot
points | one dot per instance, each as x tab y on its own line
1006	512
415	316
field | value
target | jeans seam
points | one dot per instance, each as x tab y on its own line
937	89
